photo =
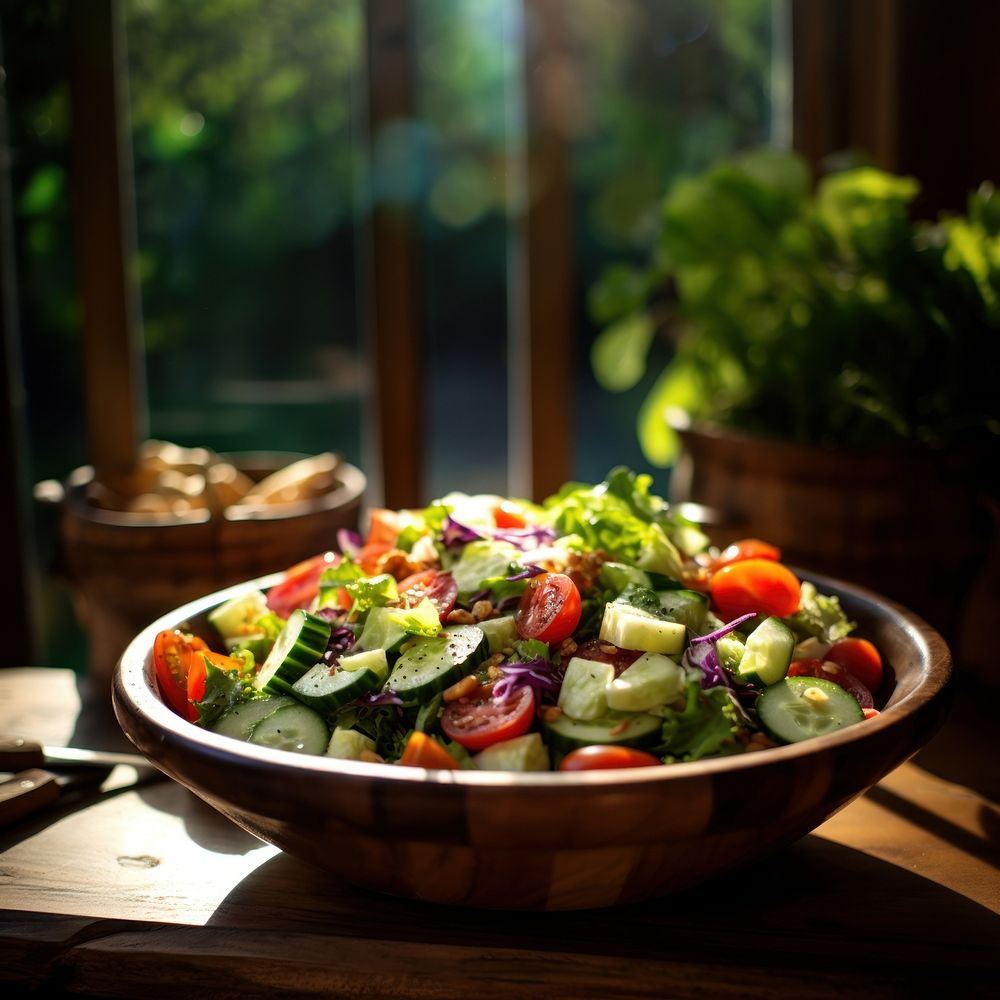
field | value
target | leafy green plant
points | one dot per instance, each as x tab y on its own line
823	314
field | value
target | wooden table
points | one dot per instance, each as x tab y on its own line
142	890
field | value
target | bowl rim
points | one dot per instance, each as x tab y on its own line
135	696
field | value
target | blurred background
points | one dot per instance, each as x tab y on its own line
374	228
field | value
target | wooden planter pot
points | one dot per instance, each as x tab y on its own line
912	524
126	570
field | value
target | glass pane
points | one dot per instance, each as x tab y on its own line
253	172
662	90
243	134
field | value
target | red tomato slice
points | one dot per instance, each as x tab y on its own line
173	653
746	548
759	586
505	515
549	609
833	672
481	721
300	584
597	649
599	758
438	587
860	658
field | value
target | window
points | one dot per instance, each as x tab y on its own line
476	163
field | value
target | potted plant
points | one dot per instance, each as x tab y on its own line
830	380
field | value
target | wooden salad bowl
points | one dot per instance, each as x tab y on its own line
542	841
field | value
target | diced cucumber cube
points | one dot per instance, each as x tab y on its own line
652	680
500	632
238	615
730	649
768	653
630	628
523	753
349	744
583	693
373	659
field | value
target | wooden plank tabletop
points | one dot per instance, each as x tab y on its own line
141	890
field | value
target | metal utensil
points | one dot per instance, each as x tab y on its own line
17	754
33	787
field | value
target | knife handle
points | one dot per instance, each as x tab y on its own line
26	793
17	753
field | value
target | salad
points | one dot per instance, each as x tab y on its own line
597	629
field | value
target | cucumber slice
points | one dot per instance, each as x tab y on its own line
799	708
652	680
685	606
622	728
295	727
300	644
768	653
239	721
523	753
327	689
431	665
583	692
630	628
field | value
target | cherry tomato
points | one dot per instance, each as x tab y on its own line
173	654
859	657
755	585
300	584
599	758
480	721
506	515
383	527
746	548
605	652
833	672
422	750
549	609
438	587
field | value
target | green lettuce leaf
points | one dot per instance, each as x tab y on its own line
621	517
707	725
223	689
422	619
819	615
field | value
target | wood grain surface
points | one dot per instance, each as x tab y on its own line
143	890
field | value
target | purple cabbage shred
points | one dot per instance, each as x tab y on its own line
508	602
706	659
349	542
725	630
383	698
456	534
526	538
529	571
537	673
341	640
